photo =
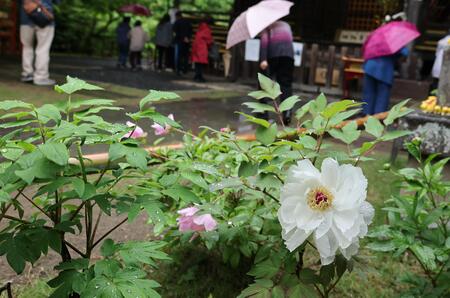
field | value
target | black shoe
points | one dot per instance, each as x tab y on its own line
27	78
287	115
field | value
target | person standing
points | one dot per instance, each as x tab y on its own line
182	29
163	40
277	58
437	65
37	21
138	38
173	11
123	41
378	79
200	46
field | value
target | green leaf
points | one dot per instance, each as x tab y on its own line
137	157
265	269
326	274
73	85
269	86
302	291
288	103
108	248
195	178
337	107
255	120
374	127
56	152
301	112
155	96
144	252
48	112
425	254
278	292
392	135
181	192
225	183
348	134
4	197
259	107
396	112
78	186
91	102
308	276
247	169
116	151
308	142
266	135
260	94
14	104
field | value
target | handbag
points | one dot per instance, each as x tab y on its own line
38	13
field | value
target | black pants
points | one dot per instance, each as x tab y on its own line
181	56
281	69
162	56
135	59
199	71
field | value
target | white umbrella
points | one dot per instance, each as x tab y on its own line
255	19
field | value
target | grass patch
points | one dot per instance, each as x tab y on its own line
37	289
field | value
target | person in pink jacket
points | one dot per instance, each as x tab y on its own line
200	46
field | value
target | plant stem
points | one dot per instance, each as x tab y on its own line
280	115
427	272
35	205
102	173
75	249
185	133
81	159
97	222
319	141
327	292
109	232
69	102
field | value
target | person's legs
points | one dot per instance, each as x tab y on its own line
27	40
133	59
160	51
199	72
184	57
139	59
177	57
383	95
123	54
369	94
44	42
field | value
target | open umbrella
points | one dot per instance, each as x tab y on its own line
256	19
136	9
389	39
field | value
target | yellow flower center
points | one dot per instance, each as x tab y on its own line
319	199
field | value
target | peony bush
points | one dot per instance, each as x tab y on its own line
288	202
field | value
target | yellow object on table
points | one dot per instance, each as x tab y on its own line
430	105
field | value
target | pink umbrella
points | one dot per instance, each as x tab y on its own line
136	9
255	19
389	39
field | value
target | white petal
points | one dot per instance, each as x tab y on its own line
286	213
351	188
295	239
325	226
367	212
342	240
330	173
345	219
327	246
307	219
351	250
303	170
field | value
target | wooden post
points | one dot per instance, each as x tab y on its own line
444	81
330	66
344	51
313	63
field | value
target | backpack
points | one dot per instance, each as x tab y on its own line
38	13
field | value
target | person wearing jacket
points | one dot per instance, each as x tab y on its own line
200	46
38	72
378	79
123	41
163	40
138	38
277	58
182	30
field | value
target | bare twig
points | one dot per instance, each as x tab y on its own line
109	232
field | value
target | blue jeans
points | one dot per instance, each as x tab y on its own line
181	57
376	95
123	53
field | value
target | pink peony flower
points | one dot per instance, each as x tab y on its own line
188	221
137	133
161	131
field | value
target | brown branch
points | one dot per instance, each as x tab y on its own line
109	232
74	249
37	206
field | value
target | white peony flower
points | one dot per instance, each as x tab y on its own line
330	204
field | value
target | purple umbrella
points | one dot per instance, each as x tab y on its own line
389	39
136	9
